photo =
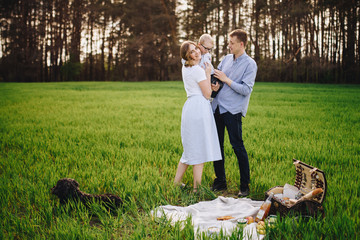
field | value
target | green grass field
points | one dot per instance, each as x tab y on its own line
124	138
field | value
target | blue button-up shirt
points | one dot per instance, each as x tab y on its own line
235	98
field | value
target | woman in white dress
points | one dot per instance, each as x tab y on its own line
198	130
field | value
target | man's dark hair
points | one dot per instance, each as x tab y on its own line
240	34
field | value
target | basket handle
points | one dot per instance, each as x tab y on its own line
296	162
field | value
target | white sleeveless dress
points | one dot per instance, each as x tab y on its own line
198	129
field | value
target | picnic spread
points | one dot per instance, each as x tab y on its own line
227	214
207	215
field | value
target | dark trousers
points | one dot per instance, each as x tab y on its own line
233	125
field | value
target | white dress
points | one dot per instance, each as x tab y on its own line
198	130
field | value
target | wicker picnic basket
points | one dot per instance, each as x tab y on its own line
307	179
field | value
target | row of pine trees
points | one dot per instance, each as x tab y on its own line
138	40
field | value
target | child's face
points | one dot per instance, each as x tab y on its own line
205	47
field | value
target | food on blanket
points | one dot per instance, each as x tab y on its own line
250	219
224	218
261	228
260	224
264	209
242	221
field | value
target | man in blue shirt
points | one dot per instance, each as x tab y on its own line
237	71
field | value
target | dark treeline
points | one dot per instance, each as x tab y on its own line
138	40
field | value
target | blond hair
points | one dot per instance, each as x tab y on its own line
206	38
185	53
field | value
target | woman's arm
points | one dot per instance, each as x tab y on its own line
205	88
205	85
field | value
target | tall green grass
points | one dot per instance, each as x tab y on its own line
124	138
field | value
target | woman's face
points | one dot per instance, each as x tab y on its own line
194	53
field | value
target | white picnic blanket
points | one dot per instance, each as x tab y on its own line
204	215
